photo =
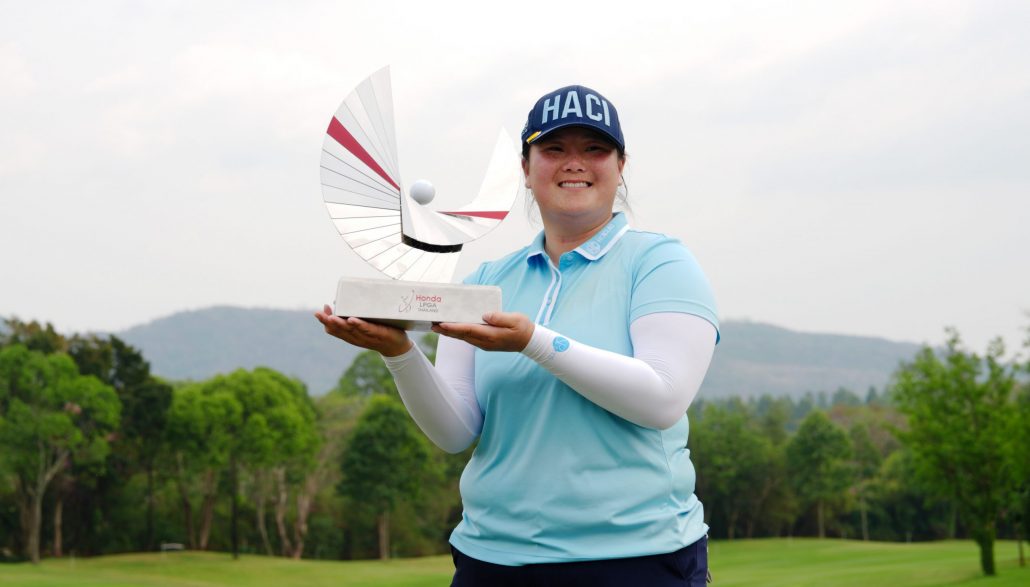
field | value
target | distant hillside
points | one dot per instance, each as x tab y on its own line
754	358
751	359
201	343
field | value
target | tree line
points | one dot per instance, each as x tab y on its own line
941	455
99	456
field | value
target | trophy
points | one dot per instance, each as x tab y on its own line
393	230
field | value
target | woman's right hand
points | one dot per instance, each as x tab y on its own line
386	340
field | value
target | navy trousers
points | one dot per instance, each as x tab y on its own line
687	567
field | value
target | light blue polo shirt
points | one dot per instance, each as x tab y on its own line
555	477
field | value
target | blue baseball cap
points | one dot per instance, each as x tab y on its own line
573	106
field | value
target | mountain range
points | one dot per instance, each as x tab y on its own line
752	358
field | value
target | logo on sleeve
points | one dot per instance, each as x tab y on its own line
561	344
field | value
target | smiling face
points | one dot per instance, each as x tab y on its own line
574	173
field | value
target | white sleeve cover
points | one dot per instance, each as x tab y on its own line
441	399
671	353
654	387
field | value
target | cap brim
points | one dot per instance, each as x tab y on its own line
541	134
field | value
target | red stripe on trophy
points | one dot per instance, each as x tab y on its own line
493	215
347	141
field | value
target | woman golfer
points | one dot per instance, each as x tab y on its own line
578	390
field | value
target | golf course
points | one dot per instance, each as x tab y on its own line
779	562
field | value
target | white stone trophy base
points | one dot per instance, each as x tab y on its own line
414	305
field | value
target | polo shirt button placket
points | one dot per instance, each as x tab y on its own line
562	262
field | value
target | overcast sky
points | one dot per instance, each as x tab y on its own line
849	167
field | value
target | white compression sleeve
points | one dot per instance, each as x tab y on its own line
441	400
654	387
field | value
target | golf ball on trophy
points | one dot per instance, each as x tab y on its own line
422	192
397	233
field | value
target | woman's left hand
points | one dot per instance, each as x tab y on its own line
503	331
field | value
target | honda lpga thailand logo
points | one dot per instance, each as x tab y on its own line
425	303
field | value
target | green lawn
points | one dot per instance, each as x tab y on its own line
766	563
809	562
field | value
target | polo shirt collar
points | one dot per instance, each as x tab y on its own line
594	248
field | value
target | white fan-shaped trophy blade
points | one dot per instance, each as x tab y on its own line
360	182
361	188
497	193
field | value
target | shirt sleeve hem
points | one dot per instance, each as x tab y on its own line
699	310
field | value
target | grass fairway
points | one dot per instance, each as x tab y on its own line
766	563
201	569
804	562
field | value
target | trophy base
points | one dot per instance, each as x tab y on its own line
414	305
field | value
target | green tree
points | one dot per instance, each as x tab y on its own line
278	442
872	397
33	335
146	415
775	419
1018	466
111	360
48	414
200	433
337	416
816	460
774	505
385	463
893	489
866	460
1019	463
845	397
367	376
959	411
145	402
260	422
731	457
